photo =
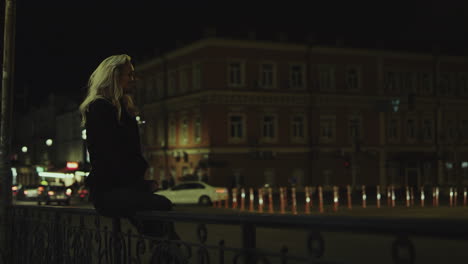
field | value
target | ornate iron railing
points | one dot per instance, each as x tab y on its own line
74	235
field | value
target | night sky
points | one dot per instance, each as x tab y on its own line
59	43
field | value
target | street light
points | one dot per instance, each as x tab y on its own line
24	149
83	134
49	142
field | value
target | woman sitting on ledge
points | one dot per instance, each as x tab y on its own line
116	181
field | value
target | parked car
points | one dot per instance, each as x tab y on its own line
27	193
82	193
194	192
54	193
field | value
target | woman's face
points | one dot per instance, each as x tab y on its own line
127	78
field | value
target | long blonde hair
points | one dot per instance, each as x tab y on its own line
104	83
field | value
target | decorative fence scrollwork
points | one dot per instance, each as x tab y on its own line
56	235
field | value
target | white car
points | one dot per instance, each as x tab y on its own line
194	192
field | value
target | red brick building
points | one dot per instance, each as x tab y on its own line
260	113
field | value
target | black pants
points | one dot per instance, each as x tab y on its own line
126	202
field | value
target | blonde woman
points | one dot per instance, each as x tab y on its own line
116	181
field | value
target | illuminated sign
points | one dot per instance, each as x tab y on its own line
72	165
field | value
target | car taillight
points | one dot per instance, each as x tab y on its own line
68	192
50	193
14	188
220	190
40	190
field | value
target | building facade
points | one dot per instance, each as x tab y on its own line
250	113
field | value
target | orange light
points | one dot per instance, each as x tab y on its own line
71	165
220	190
14	188
50	193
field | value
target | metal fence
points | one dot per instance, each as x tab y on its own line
75	235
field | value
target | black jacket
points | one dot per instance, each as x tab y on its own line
114	148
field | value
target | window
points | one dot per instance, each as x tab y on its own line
355	128
172	132
161	139
411	129
171	84
463	84
451	130
428	130
444	84
390	81
464	129
426	83
196	76
184	130
267	75
298	128
297	76
183	81
326	78
352	78
149	133
268	127
236	127
327	128
393	129
235	73
160	86
197	129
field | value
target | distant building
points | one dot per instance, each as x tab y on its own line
245	112
45	138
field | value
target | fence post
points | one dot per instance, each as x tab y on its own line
116	229
249	242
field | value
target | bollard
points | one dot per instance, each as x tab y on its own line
451	197
407	196
226	201
251	200
389	196
364	197
320	194
307	200
260	200
242	199
270	200
464	196
293	197
378	196
433	197
282	200
234	198
335	198
437	196
422	196
348	191
412	196
455	196
393	196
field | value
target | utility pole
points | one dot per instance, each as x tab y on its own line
5	131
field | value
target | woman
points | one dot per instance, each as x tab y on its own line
116	181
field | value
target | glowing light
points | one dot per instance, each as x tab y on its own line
83	134
50	193
55	175
72	165
68	192
24	149
49	142
138	118
243	195
220	190
378	196
336	199
464	164
261	201
364	197
307	200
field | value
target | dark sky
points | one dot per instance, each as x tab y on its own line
59	43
